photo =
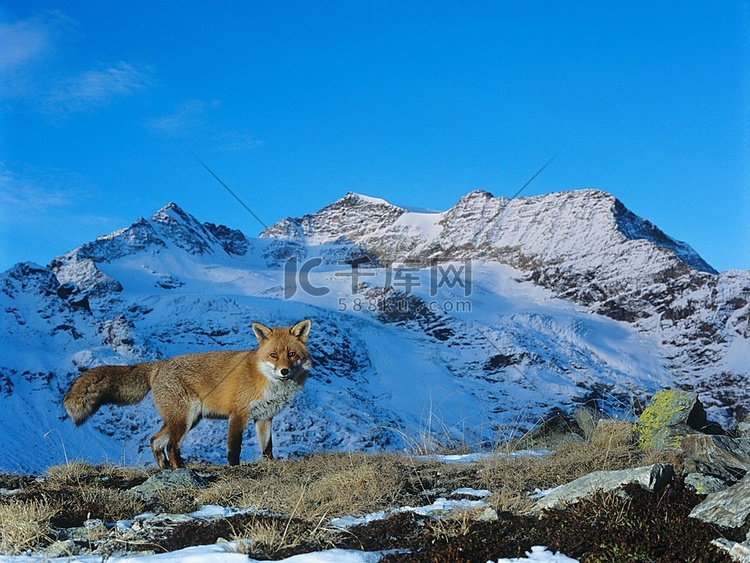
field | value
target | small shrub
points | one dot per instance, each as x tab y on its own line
25	524
264	536
109	505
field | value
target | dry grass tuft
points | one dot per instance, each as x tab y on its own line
321	486
78	473
24	524
73	471
263	536
455	524
78	491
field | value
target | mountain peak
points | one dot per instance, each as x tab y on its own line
354	197
172	211
171	206
345	219
476	195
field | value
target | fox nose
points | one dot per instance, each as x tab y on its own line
285	372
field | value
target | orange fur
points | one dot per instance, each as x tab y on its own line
241	386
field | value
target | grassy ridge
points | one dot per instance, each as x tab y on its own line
294	500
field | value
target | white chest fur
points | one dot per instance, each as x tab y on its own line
276	396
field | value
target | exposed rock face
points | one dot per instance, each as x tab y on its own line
722	457
729	508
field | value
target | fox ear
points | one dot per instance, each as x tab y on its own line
262	332
301	330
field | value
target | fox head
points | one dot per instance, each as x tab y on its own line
282	352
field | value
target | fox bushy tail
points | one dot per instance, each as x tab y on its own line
120	385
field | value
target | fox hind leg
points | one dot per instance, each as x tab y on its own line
169	438
176	430
158	443
177	421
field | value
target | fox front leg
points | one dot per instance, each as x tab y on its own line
237	422
263	429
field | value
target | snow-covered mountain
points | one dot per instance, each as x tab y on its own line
457	327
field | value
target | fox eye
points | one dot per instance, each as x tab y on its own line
292	354
274	355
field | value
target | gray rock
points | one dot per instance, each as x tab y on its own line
723	457
729	508
556	429
489	515
704	484
168	479
64	548
739	552
652	478
93	524
78	534
587	420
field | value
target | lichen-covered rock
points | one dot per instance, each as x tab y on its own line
671	415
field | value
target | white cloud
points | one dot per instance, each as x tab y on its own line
198	119
235	141
24	41
190	119
27	43
95	88
32	54
39	190
21	42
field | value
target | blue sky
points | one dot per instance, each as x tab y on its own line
104	106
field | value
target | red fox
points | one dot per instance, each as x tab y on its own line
252	384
